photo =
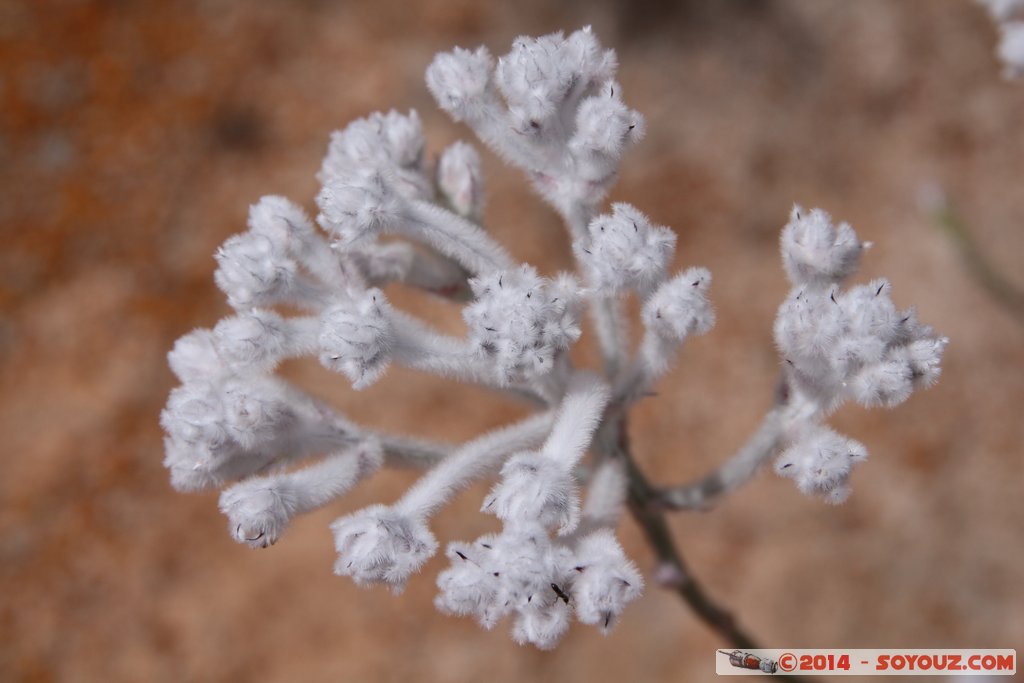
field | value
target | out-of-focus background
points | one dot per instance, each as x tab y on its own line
133	137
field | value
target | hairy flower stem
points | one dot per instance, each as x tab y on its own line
605	310
737	470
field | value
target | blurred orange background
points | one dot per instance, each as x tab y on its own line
133	136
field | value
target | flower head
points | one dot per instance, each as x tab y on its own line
358	207
520	321
817	253
380	545
819	461
256	340
472	584
625	250
282	221
605	580
195	357
680	307
257	514
391	144
605	126
356	336
535	487
459	79
856	345
254	271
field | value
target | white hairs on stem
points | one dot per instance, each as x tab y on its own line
260	508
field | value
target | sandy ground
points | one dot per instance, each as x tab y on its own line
133	137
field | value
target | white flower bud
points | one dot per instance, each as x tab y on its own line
605	126
624	250
253	271
195	357
565	310
517	323
534	78
282	221
855	344
846	356
194	416
459	80
680	307
460	179
808	325
191	466
817	253
605	581
358	207
887	383
380	545
257	514
288	228
535	488
403	138
1011	48
390	143
534	583
472	584
542	623
356	337
819	461
256	410
256	340
593	64
259	509
518	570
925	358
355	148
868	311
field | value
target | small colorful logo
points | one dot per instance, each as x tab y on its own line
745	660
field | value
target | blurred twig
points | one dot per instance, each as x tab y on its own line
644	506
1002	290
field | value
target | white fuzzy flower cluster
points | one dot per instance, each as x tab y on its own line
523	570
520	323
390	144
551	107
839	345
1009	16
381	545
816	253
540	582
819	461
223	425
390	217
355	337
374	182
856	344
624	250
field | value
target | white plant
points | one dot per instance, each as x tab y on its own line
1009	17
552	108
